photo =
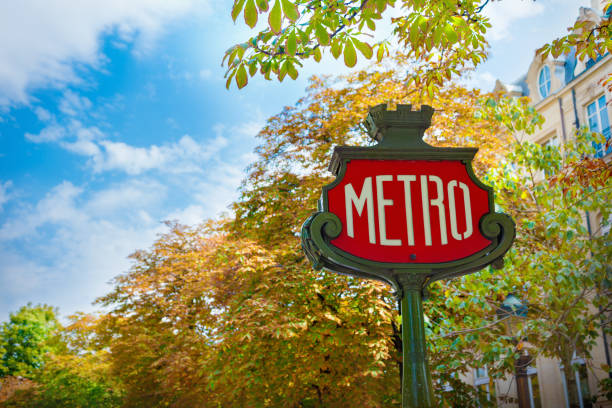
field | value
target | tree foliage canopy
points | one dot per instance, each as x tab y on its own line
443	36
24	339
76	372
441	39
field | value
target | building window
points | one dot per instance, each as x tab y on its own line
484	384
580	382
597	114
534	388
544	81
551	141
605	226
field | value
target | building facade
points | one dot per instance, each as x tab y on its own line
568	93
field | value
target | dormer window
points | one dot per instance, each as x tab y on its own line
544	81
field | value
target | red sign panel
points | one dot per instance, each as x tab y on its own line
409	211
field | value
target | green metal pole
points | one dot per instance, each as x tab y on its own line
417	391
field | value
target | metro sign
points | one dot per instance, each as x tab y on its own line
404	207
408	211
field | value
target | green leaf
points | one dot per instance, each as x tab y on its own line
238	4
321	34
290	10
229	80
275	17
336	48
414	32
451	35
380	53
241	77
291	71
250	13
304	36
291	44
252	68
422	22
282	72
350	55
262	5
437	35
364	48
459	22
381	5
317	54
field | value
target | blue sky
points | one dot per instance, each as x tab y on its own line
114	117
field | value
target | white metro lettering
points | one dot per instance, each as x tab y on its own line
382	203
408	201
453	211
366	199
350	198
438	202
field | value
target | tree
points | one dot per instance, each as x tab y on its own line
589	39
75	375
441	37
66	388
205	319
161	327
24	339
558	265
551	190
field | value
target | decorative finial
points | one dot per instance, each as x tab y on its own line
400	128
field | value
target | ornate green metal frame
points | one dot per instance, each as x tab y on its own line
400	137
323	226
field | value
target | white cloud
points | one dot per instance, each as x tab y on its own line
51	133
5	196
41	42
42	114
83	147
72	104
132	160
56	207
63	249
19	275
74	244
205	74
191	215
184	156
134	193
503	15
482	80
